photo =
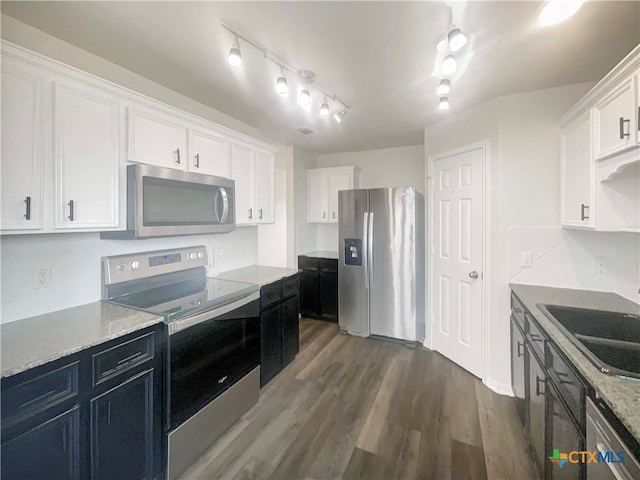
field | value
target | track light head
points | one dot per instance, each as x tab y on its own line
449	65
304	98
339	116
235	55
444	87
282	87
324	109
551	12
456	39
443	104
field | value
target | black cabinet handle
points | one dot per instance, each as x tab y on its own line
178	156
197	160
538	380
638	122
27	215
260	214
583	207
622	122
324	215
250	213
520	353
334	215
71	216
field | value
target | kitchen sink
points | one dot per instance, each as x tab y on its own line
610	340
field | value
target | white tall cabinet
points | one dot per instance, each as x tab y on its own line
323	185
253	171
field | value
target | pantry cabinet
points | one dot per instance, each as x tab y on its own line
22	147
87	157
264	185
208	153
323	185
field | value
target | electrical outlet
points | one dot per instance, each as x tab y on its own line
600	264
526	259
220	252
41	277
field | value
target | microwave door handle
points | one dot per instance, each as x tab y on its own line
225	205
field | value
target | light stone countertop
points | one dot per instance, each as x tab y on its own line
257	274
621	395
331	254
34	341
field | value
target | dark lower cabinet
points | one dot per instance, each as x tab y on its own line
517	369
564	436
319	288
290	330
49	450
310	293
536	410
122	426
271	362
329	295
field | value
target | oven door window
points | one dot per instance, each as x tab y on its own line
169	202
209	357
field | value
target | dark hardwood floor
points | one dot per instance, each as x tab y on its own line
349	407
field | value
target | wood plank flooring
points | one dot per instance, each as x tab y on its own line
357	408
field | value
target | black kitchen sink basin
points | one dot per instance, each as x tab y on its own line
610	340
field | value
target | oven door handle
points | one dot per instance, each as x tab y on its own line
179	325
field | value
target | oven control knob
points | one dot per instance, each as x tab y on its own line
200	254
121	267
193	256
135	264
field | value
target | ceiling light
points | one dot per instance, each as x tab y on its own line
456	39
324	108
339	116
449	65
444	88
304	98
556	11
235	55
444	104
282	87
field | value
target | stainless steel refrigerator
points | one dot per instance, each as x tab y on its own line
381	266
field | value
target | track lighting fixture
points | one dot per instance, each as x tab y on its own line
324	108
339	116
456	39
304	98
235	55
449	65
444	88
551	12
443	104
281	84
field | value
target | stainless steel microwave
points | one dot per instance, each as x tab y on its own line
163	202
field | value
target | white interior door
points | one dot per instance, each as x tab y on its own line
457	257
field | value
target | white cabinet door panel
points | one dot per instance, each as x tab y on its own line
242	172
156	140
264	178
208	153
318	197
22	151
615	121
87	126
577	170
337	182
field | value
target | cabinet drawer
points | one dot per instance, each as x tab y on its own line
571	388
39	393
327	265
517	311
270	294
307	263
535	336
290	287
121	358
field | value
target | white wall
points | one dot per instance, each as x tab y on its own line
524	188
381	168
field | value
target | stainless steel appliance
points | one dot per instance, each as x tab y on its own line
213	342
164	202
381	264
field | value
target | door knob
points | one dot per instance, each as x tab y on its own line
473	274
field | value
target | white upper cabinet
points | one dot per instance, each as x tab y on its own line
242	172
637	113
22	147
87	157
577	181
615	121
156	139
322	190
264	187
208	153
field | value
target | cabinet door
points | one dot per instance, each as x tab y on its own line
242	172
329	295
156	140
264	178
21	157
337	182
563	436
208	153
517	368
310	293
122	424
50	450
290	330
318	197
271	344
577	175
536	410
87	157
615	121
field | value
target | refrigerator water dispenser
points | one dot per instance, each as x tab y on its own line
353	251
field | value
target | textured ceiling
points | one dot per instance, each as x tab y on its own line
380	57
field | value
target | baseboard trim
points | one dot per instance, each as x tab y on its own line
498	387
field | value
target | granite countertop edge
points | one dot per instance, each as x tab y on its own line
621	395
258	274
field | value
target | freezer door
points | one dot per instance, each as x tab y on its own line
392	267
353	287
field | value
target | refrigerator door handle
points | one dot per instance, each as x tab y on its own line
365	248
370	245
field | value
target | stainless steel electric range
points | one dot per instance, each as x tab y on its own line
213	342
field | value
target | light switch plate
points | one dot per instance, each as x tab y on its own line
526	259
